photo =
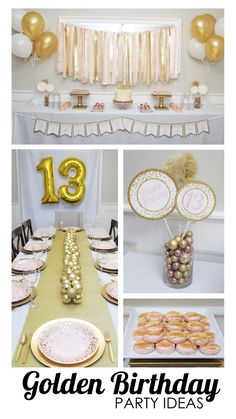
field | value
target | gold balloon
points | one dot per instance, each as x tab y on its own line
211	18
46	165
214	48
76	181
33	25
45	44
202	28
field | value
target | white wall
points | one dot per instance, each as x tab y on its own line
145	236
109	192
24	77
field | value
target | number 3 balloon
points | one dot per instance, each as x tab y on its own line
75	182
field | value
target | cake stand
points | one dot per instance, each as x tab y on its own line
122	104
161	106
79	94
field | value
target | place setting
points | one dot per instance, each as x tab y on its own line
110	292
22	292
27	266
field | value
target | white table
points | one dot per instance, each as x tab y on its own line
20	313
143	274
24	115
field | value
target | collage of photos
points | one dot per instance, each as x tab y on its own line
149	84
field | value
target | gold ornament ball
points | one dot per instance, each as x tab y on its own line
66	299
168	260
181	281
72	292
65	288
78	288
77	271
173	244
174	259
77	299
189	234
189	240
178	238
183	243
186	274
178	274
188	266
183	268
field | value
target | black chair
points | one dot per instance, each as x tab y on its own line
27	230
17	241
114	231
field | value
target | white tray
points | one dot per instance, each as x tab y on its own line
132	325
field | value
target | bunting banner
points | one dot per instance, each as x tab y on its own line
123	123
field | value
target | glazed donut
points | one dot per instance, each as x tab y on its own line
165	347
143	347
155	316
186	348
198	338
152	336
138	335
210	349
173	316
210	335
205	325
174	326
176	336
203	317
141	325
192	316
154	326
143	316
195	326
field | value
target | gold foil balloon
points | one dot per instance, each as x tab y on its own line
46	165
45	44
33	25
214	48
202	28
76	182
211	18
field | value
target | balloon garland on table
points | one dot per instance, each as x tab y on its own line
208	41
71	287
31	42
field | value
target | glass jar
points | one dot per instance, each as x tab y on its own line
178	255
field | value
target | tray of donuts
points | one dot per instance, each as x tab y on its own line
152	333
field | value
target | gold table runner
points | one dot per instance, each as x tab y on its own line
50	306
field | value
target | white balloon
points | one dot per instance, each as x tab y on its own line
17	16
219	27
21	45
196	49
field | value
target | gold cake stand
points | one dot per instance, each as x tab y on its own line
80	95
161	105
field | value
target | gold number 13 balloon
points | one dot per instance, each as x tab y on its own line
71	193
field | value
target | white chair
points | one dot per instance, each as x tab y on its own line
68	218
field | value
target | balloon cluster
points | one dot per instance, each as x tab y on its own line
178	260
208	41
31	41
71	277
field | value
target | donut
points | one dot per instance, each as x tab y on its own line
141	325
143	316
138	335
176	336
174	326
205	325
195	326
210	349
154	326
152	336
186	348
210	335
203	317
155	316
143	347
192	316
198	338
173	316
165	347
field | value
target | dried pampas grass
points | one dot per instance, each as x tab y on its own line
182	168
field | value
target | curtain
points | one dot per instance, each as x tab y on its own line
119	57
32	189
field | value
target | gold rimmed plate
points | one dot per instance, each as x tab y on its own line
102	238
107	296
95	249
41	268
107	271
30	252
49	363
26	300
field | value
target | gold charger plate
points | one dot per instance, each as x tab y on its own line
107	271
39	238
94	249
25	300
30	272
44	360
98	238
107	296
30	252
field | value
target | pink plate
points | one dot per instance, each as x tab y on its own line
20	291
111	265
104	246
97	236
68	341
112	290
26	265
30	247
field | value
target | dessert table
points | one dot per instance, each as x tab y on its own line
122	131
94	308
143	274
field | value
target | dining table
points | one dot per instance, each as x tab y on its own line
94	308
